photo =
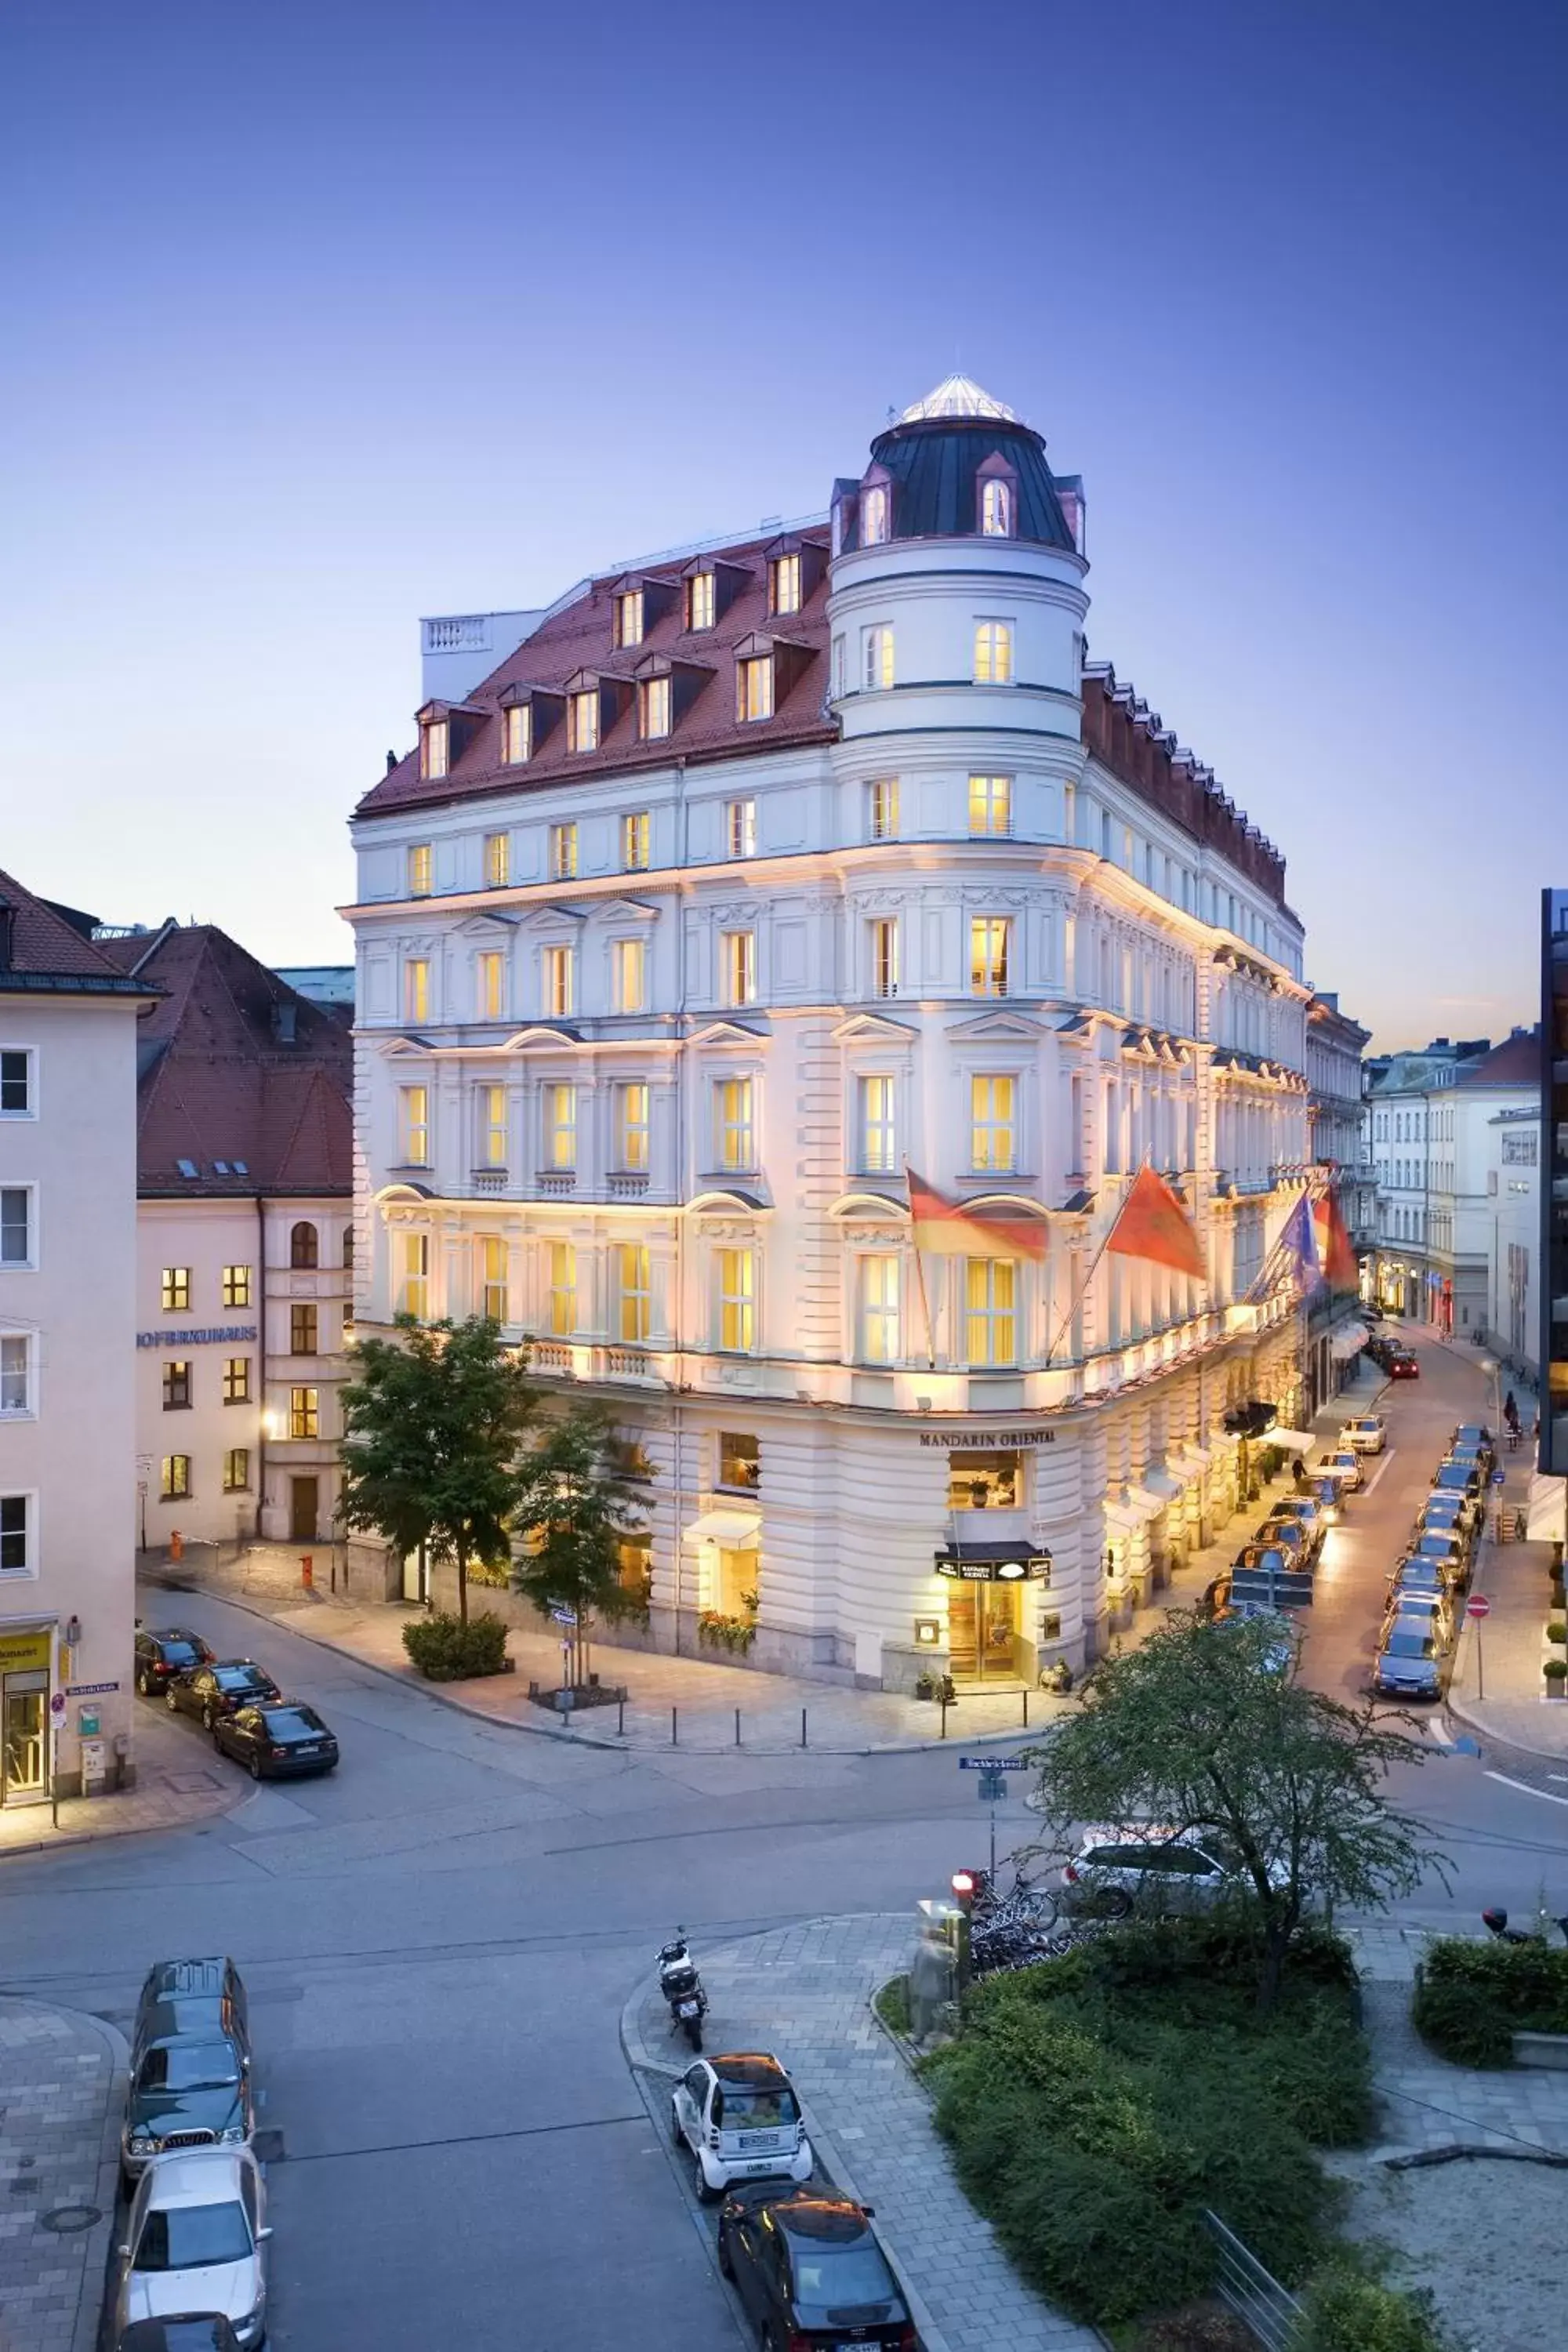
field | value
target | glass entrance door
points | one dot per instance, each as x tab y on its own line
24	1737
983	1632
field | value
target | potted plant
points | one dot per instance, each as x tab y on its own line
925	1684
1556	1673
1557	1630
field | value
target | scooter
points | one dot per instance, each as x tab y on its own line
682	1990
1494	1922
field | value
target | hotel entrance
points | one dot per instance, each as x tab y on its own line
984	1625
25	1660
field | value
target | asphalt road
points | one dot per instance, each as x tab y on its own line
440	1939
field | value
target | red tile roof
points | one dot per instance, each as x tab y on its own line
217	1082
1515	1063
580	637
46	953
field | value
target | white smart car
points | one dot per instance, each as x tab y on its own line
196	2241
740	2119
1366	1434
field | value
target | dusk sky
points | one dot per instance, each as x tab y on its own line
326	314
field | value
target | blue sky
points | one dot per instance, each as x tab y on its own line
334	313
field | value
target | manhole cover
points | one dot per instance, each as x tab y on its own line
268	2147
190	1784
66	2218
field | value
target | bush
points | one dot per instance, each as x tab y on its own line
1199	2327
445	1650
1556	1669
1557	1630
1472	1998
1348	2311
891	2004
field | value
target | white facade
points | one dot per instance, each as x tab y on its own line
659	1122
233	1443
1514	1257
67	1187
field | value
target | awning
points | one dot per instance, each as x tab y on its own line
993	1564
1295	1440
1145	1499
1164	1484
1134	1509
736	1530
1349	1341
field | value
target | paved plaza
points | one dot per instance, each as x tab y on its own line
61	2078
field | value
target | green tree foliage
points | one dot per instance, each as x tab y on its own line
576	1507
1472	1998
1197	1730
432	1426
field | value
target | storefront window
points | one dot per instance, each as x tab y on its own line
982	1482
736	1594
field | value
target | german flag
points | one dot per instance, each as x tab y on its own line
944	1228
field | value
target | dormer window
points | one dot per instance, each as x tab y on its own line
517	734
754	687
434	740
653	708
997	510
784	585
582	720
873	515
700	601
628	618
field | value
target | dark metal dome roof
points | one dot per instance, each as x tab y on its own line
935	454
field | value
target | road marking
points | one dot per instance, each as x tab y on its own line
1369	1486
1526	1791
1557	1775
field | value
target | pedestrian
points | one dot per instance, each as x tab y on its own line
1298	1472
931	1981
1510	1412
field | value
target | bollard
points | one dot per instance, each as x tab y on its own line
803	1727
674	1727
620	1719
1025	1710
944	1718
737	1727
307	1572
176	1544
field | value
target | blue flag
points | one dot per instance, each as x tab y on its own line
1299	1244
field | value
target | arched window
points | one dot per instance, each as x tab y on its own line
302	1246
993	651
874	516
997	510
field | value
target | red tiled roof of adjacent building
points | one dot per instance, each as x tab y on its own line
239	1076
1515	1063
42	951
580	637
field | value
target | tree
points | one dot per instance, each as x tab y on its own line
577	1505
432	1427
1199	1729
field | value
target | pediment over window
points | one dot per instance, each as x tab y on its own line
868	1207
867	1028
728	1033
998	1025
637	910
551	911
726	1204
408	1042
489	925
541	1036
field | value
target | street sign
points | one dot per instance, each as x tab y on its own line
1497	1477
1271	1588
994	1764
1477	1605
89	1690
57	1705
564	1616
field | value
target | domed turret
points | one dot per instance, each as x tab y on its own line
956	464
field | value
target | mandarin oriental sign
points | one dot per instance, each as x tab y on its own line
985	1441
196	1339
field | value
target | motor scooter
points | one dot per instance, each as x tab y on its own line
1494	1922
682	1987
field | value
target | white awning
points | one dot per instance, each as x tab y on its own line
1125	1521
1164	1483
1349	1341
1298	1440
1144	1500
736	1530
1133	1508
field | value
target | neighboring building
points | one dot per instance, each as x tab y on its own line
1335	1044
244	1234
1514	1258
1553	1276
753	875
68	1196
328	985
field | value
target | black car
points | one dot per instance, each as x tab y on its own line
283	1738
161	1654
201	2000
810	2271
185	2331
220	1690
189	2090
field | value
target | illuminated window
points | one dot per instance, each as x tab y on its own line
237	1379
754	687
784	585
990	1310
877	655
631	1129
880	1311
873	516
561	1126
997	510
560	982
700	601
733	1136
737	1301
884	945
417	989
562	1297
990	942
882	809
491	1273
741	827
634	846
304	1413
993	1111
176	1290
738	964
562	853
491	991
518	734
421	862
492	1125
175	1481
628	975
582	720
653	708
177	1386
990	804
497	860
434	739
993	651
237	1470
878	1141
303	1331
237	1286
415	1126
628	618
634	1295
414	1292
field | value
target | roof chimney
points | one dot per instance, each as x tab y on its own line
391	762
284	1020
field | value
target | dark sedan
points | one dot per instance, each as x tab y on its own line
276	1741
811	2272
164	1653
1402	1366
221	1689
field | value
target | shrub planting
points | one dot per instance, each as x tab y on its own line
445	1650
1472	1998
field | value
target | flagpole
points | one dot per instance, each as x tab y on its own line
921	1286
1074	1304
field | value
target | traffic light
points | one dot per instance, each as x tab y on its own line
968	1887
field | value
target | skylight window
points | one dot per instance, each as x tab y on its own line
220	1168
186	1167
241	1168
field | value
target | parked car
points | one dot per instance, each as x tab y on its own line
1324	1490
1408	1663
740	2119
1278	1655
1430	1611
197	2240
1476	1456
1449	1514
1268	1558
1448	1553
810	2271
1413	1577
1297	1514
1381	1346
219	1689
187	2090
1401	1365
277	1740
164	1653
186	2331
1365	1433
1477	1433
1463	1479
191	1998
1144	1866
1344	1465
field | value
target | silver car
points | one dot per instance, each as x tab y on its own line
740	2119
196	2241
1156	1869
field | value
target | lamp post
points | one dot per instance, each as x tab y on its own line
1494	1373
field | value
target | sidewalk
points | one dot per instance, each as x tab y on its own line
175	1786
805	1993
61	2086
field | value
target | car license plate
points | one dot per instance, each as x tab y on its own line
759	2139
687	2009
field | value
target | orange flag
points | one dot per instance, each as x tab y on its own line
944	1228
1152	1224
1335	1248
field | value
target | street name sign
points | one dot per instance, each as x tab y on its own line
994	1764
564	1616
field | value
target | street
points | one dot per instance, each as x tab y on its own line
440	1939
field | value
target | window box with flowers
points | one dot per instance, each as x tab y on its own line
718	1631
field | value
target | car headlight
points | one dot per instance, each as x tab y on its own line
233	2135
140	2144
